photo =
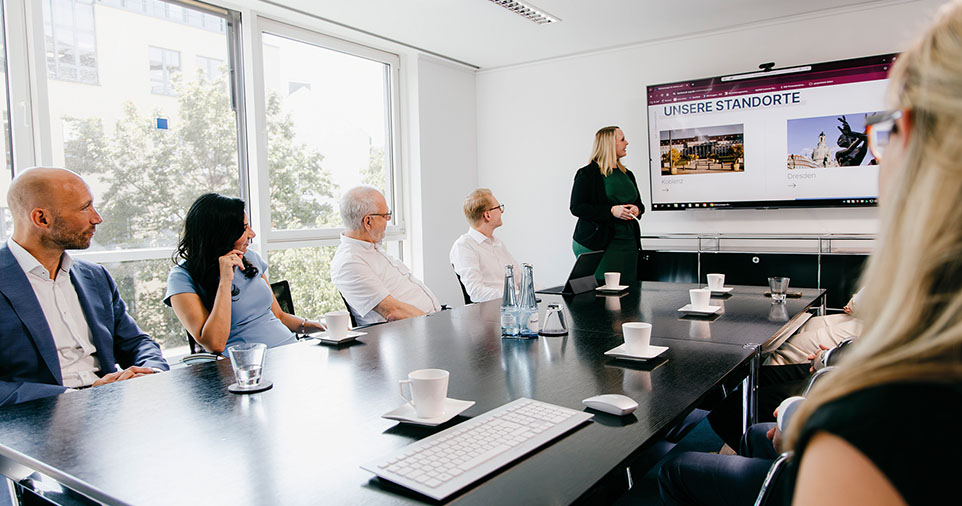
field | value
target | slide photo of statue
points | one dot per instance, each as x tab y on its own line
828	141
704	150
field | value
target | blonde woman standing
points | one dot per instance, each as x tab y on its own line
883	428
606	200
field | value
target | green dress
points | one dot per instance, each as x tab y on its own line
621	255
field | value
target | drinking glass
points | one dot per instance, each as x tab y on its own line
554	321
248	362
779	287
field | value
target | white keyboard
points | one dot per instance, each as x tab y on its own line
440	465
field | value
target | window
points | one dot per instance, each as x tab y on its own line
330	127
70	38
166	122
141	285
210	68
6	172
165	10
144	176
329	112
308	272
164	67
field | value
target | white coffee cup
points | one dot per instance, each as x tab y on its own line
637	336
429	389
716	281
699	297
612	279
337	323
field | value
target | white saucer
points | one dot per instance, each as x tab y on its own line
621	351
723	290
616	288
350	336
688	308
407	414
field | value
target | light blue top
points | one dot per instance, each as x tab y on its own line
251	319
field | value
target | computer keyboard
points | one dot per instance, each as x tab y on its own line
442	464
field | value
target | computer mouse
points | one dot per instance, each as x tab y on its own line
616	404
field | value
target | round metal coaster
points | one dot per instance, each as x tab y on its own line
264	385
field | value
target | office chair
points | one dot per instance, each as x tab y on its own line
349	310
773	475
282	292
464	291
778	466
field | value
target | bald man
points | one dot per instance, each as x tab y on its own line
63	324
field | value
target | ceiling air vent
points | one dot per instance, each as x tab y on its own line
529	11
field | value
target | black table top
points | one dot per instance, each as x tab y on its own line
746	314
181	437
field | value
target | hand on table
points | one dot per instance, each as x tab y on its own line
311	326
130	372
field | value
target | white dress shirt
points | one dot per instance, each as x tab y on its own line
365	275
61	308
479	260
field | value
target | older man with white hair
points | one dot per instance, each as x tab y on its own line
376	286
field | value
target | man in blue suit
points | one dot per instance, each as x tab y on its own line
62	322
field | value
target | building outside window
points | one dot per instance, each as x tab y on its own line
164	67
210	68
70	39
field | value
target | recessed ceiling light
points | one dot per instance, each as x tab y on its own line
529	11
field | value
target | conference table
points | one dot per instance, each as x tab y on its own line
181	437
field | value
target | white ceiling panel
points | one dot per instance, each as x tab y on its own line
481	33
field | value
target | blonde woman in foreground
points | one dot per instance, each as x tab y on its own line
883	428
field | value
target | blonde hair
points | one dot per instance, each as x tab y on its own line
603	151
912	301
477	203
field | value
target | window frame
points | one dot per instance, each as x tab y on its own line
260	184
29	100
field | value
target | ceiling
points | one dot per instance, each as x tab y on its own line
482	34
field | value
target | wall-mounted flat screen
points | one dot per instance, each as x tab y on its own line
790	137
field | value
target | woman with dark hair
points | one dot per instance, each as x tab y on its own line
219	290
606	200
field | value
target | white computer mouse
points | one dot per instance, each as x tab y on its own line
616	404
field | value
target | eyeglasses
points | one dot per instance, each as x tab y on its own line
386	216
501	207
879	128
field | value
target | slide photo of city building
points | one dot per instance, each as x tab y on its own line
703	150
828	141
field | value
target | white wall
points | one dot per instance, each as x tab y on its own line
447	170
536	123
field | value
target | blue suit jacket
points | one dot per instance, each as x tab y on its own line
29	365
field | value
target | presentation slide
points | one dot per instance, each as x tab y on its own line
782	138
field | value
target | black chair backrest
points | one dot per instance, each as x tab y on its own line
349	310
768	486
192	344
282	292
464	291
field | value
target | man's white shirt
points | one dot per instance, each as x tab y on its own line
365	275
479	260
61	308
